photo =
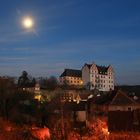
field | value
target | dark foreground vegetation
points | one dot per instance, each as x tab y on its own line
22	117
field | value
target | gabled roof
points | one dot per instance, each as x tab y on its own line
71	73
103	99
102	69
88	65
122	99
81	97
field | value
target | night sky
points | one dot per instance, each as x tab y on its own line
69	33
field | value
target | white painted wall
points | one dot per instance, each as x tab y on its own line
101	81
85	75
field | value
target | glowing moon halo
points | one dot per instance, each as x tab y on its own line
27	22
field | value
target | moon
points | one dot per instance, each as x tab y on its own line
28	22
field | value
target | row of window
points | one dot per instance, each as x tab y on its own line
76	78
102	76
96	72
110	81
103	81
71	81
110	86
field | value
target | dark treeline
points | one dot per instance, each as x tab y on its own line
50	83
25	80
19	106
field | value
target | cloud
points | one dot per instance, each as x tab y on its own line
13	36
35	70
46	60
12	58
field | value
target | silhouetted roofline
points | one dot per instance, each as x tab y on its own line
101	69
122	101
72	73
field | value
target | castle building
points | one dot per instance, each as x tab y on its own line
98	77
71	77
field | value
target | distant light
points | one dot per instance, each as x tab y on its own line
98	95
28	22
90	96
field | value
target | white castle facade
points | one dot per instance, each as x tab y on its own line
98	77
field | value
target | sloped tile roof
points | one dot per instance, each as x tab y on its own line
71	73
122	99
